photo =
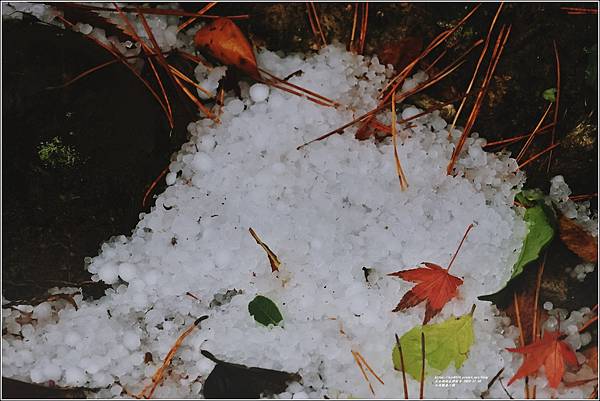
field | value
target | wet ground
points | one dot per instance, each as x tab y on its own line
77	161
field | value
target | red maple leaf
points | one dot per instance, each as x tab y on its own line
549	351
435	285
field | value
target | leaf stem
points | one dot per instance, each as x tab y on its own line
459	245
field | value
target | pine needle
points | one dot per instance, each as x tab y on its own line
192	19
532	135
158	376
399	171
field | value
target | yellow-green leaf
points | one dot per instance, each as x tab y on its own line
445	343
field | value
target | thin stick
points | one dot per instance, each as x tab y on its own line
362	370
588	324
459	246
538	285
479	61
399	171
120	57
577	198
539	154
353	33
158	376
383	104
363	28
518	315
152	11
579	10
284	82
557	103
422	381
532	135
497	52
517	138
315	24
192	19
189	81
154	183
521	334
362	358
405	386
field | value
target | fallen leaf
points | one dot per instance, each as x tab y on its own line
273	259
435	286
539	234
549	351
230	380
225	41
579	241
264	311
67	297
445	342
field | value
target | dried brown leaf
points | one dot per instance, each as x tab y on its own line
579	241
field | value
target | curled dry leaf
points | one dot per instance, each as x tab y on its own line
225	41
549	351
579	241
273	259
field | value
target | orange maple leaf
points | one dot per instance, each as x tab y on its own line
435	285
549	351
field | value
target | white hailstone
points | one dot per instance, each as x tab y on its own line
42	311
108	273
259	92
548	305
409	112
170	178
171	35
300	395
235	107
131	340
72	338
202	163
586	338
127	271
74	376
27	331
86	29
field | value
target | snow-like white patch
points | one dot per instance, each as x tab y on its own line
327	210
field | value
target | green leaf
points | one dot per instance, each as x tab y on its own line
550	94
445	343
264	311
540	233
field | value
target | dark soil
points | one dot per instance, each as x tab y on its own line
55	216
